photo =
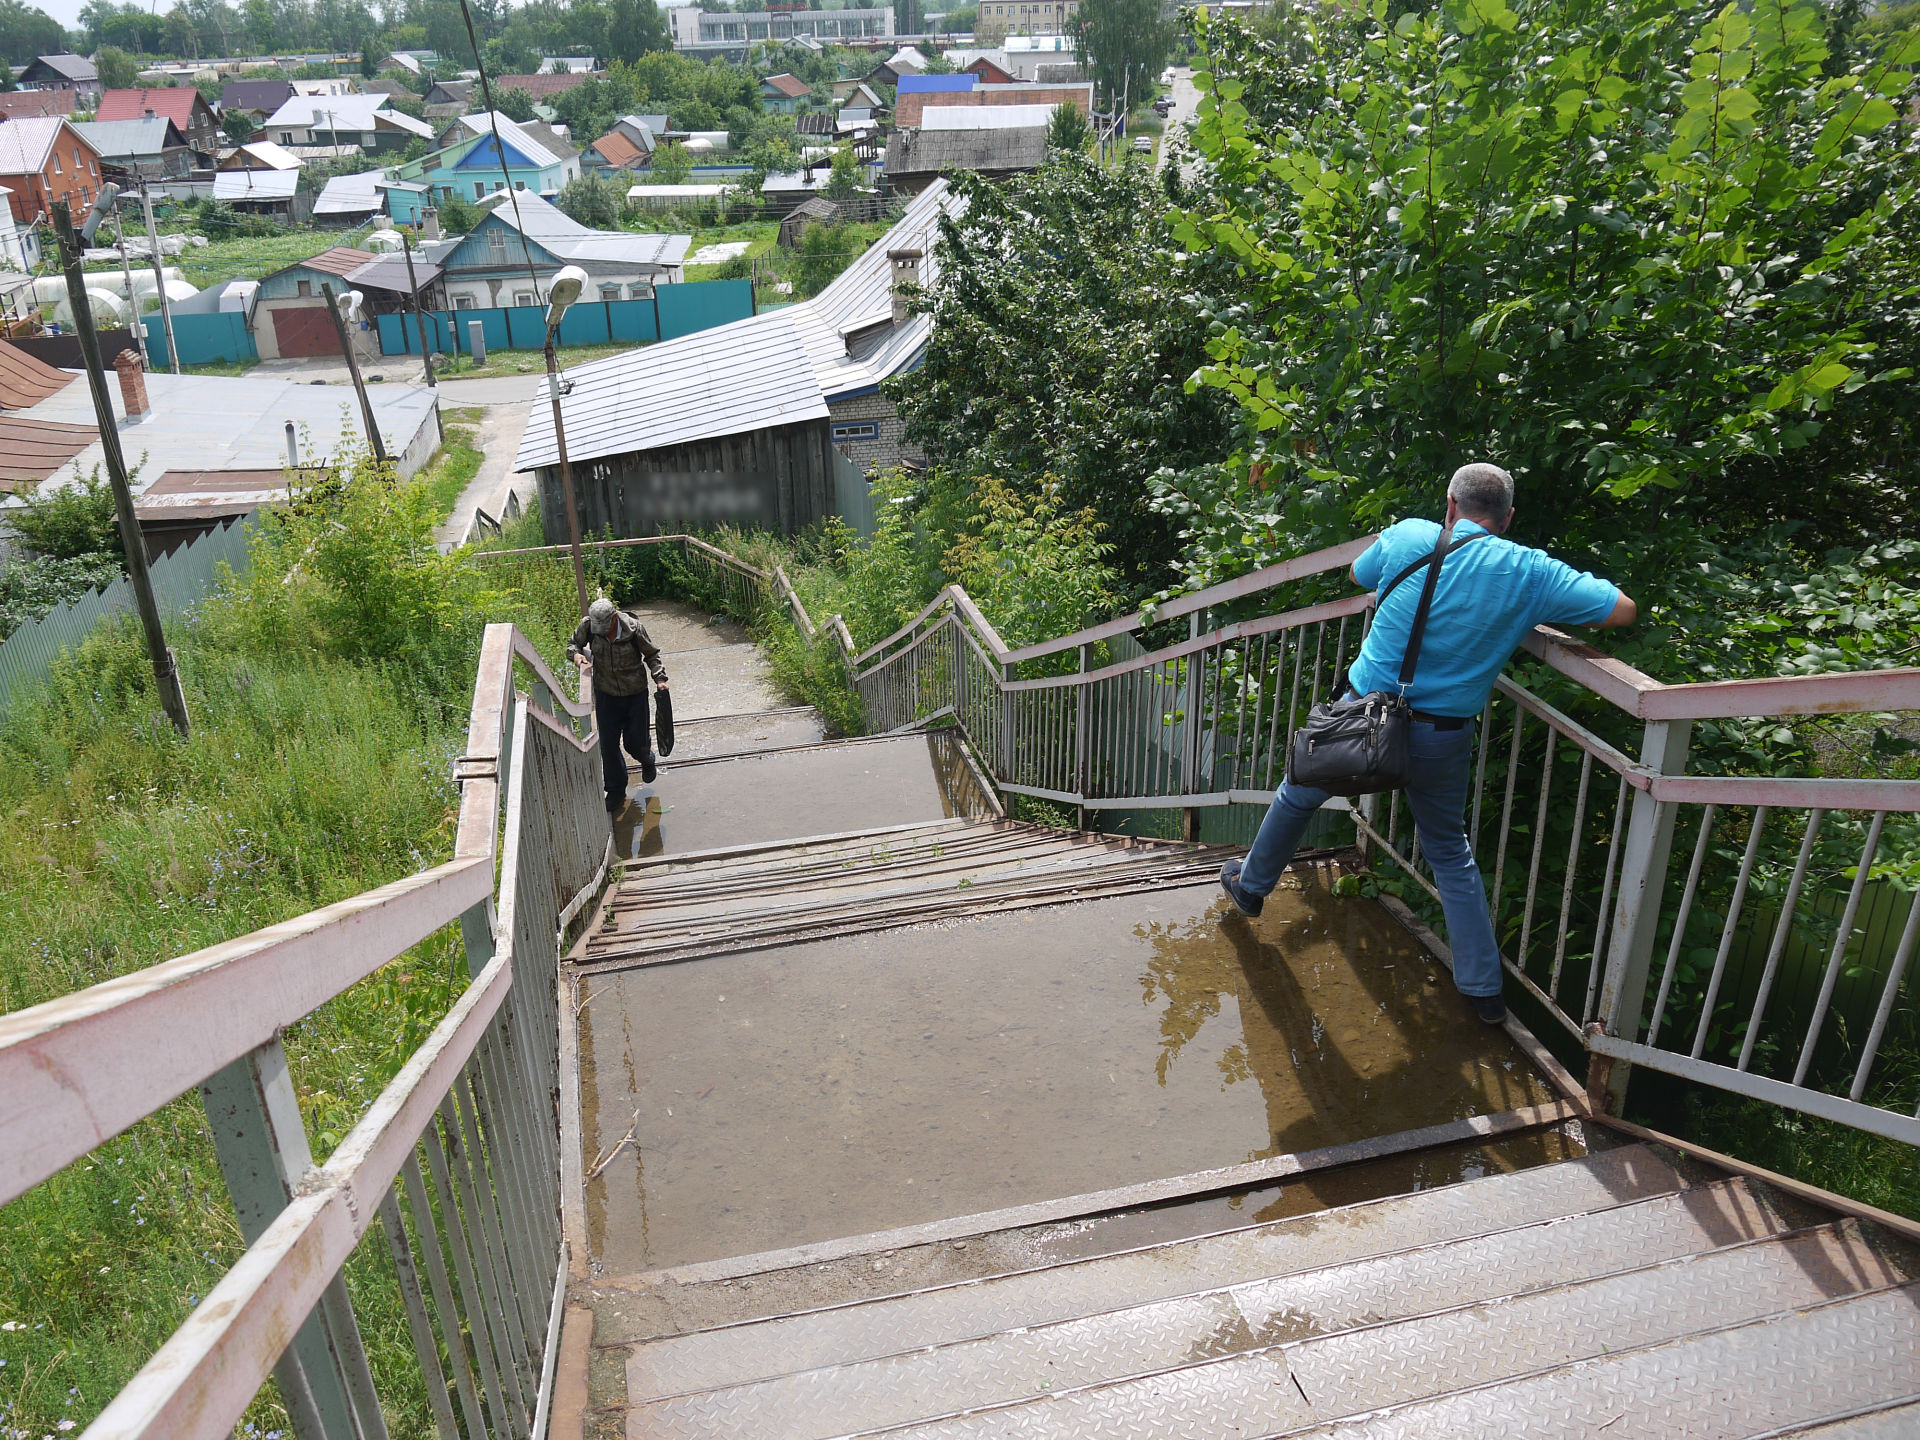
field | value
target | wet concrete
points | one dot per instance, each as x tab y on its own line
784	795
854	1085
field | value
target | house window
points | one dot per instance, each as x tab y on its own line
609	292
863	430
304	289
56	166
463	302
497	246
523	297
640	292
479	189
519	184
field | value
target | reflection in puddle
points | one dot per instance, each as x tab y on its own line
861	1083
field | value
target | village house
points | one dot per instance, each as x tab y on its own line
365	121
262	178
472	170
44	159
784	94
19	104
490	266
182	104
256	99
63	72
994	141
150	148
768	423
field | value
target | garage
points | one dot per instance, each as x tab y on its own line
304	330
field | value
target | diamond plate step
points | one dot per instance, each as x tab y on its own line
1899	1421
763	1349
1018	1365
1793	1369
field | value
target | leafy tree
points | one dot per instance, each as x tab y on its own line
671	166
1069	130
1126	44
458	215
71	522
7	83
118	70
844	181
514	103
1655	275
27	31
593	201
369	59
1064	337
824	251
239	126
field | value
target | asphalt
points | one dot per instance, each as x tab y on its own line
1186	101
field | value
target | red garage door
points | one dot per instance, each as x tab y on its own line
305	331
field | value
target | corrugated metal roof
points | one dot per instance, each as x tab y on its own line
31	450
928	152
985	117
149	135
24	143
564	236
262	155
349	194
389	272
744	376
255	184
27	380
511	133
175	102
935	84
328	113
341	260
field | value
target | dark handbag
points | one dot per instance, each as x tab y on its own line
1360	746
662	721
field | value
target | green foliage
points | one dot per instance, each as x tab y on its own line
1065	334
71	522
27	31
1126	43
824	251
1036	569
1663	275
1069	130
843	182
458	215
514	103
118	70
696	94
671	166
594	201
239	126
29	588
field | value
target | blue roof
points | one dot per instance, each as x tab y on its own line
935	84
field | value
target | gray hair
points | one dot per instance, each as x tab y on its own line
1481	490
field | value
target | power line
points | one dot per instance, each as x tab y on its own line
500	149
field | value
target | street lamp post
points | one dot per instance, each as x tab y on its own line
563	292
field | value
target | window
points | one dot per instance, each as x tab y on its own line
863	430
523	297
609	292
304	290
56	166
497	246
479	189
463	302
640	292
78	163
519	184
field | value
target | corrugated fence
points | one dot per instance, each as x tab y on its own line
180	580
674	310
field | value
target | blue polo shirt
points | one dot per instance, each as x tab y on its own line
1491	593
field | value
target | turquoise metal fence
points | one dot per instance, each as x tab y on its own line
203	339
674	310
180	580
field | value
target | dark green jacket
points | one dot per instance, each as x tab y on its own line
622	660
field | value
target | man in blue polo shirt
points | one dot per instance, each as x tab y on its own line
1490	594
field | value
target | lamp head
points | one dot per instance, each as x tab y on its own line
565	289
102	207
349	302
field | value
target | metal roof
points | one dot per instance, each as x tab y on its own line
73	67
389	272
262	155
31	450
24	143
928	152
255	184
560	233
746	375
149	135
175	102
330	113
935	84
985	117
791	86
341	260
349	194
536	150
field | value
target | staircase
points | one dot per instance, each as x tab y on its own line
1623	1294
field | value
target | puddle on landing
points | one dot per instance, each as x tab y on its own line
864	1083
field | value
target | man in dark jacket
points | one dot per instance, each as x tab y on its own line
615	645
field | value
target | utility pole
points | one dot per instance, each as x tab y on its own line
133	305
419	320
166	676
353	369
160	279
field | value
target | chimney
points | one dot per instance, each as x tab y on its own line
906	271
432	221
133	385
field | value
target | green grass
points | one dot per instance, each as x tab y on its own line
761	237
221	367
455	464
504	364
249	259
311	775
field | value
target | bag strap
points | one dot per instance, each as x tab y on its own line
1442	548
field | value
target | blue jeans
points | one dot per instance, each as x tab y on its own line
1437	794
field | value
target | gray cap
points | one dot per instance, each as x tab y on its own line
600	616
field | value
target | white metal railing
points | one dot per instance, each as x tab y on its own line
457	1158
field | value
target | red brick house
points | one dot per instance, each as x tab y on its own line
182	104
44	159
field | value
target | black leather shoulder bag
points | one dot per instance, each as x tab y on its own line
1361	746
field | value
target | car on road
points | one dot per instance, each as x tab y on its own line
1143	144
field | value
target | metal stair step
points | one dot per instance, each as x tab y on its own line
762	1349
1898	1421
1016	1366
1792	1369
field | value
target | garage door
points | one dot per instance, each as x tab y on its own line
307	330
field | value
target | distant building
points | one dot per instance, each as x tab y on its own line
992	141
907	110
350	200
540	87
182	104
904	61
477	166
262	178
784	94
366	121
256	99
1028	17
697	30
62	72
150	148
44	159
20	104
290	311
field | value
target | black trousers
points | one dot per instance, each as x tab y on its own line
623	718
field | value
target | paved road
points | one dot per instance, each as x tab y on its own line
498	441
1186	99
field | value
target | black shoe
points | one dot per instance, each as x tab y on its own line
1490	1008
649	768
1247	904
616	803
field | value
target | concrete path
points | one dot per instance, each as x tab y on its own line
498	440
